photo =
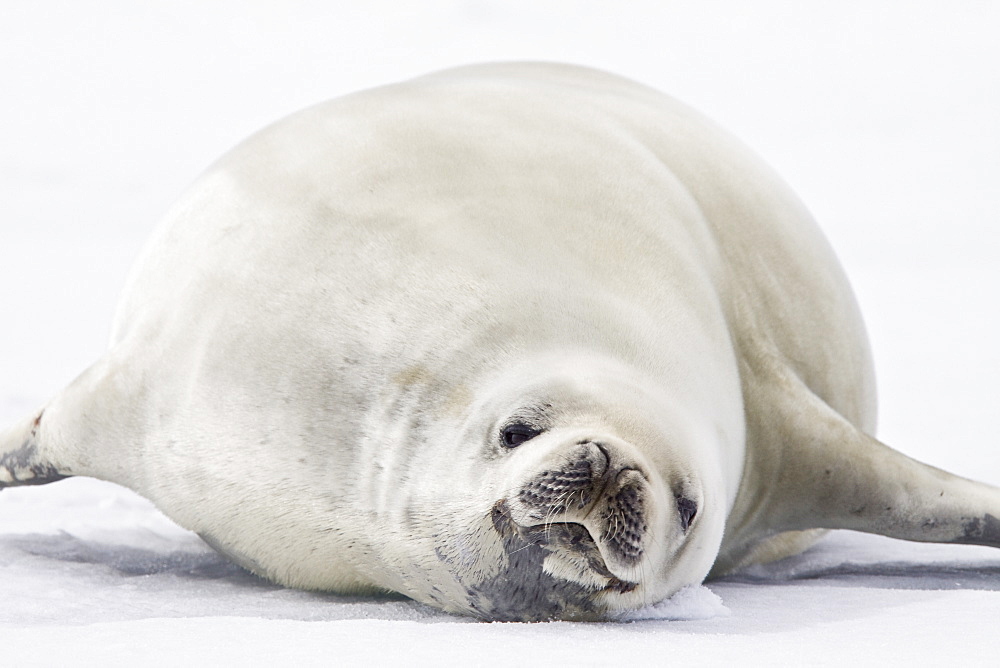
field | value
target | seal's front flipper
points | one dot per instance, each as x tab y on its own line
22	459
810	468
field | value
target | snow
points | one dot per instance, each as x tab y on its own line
882	116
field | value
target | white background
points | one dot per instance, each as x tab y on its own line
882	115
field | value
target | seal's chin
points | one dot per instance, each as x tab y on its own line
551	570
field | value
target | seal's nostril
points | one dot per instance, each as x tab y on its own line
599	463
607	455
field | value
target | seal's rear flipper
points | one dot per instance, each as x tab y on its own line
22	460
76	434
813	469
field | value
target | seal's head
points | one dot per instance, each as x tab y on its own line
576	491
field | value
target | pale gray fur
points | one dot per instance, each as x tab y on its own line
316	357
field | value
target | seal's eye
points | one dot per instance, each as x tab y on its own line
515	434
687	510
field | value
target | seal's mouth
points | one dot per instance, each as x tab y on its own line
575	540
571	546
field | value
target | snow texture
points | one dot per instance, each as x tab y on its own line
883	116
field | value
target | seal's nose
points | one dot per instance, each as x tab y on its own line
599	485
